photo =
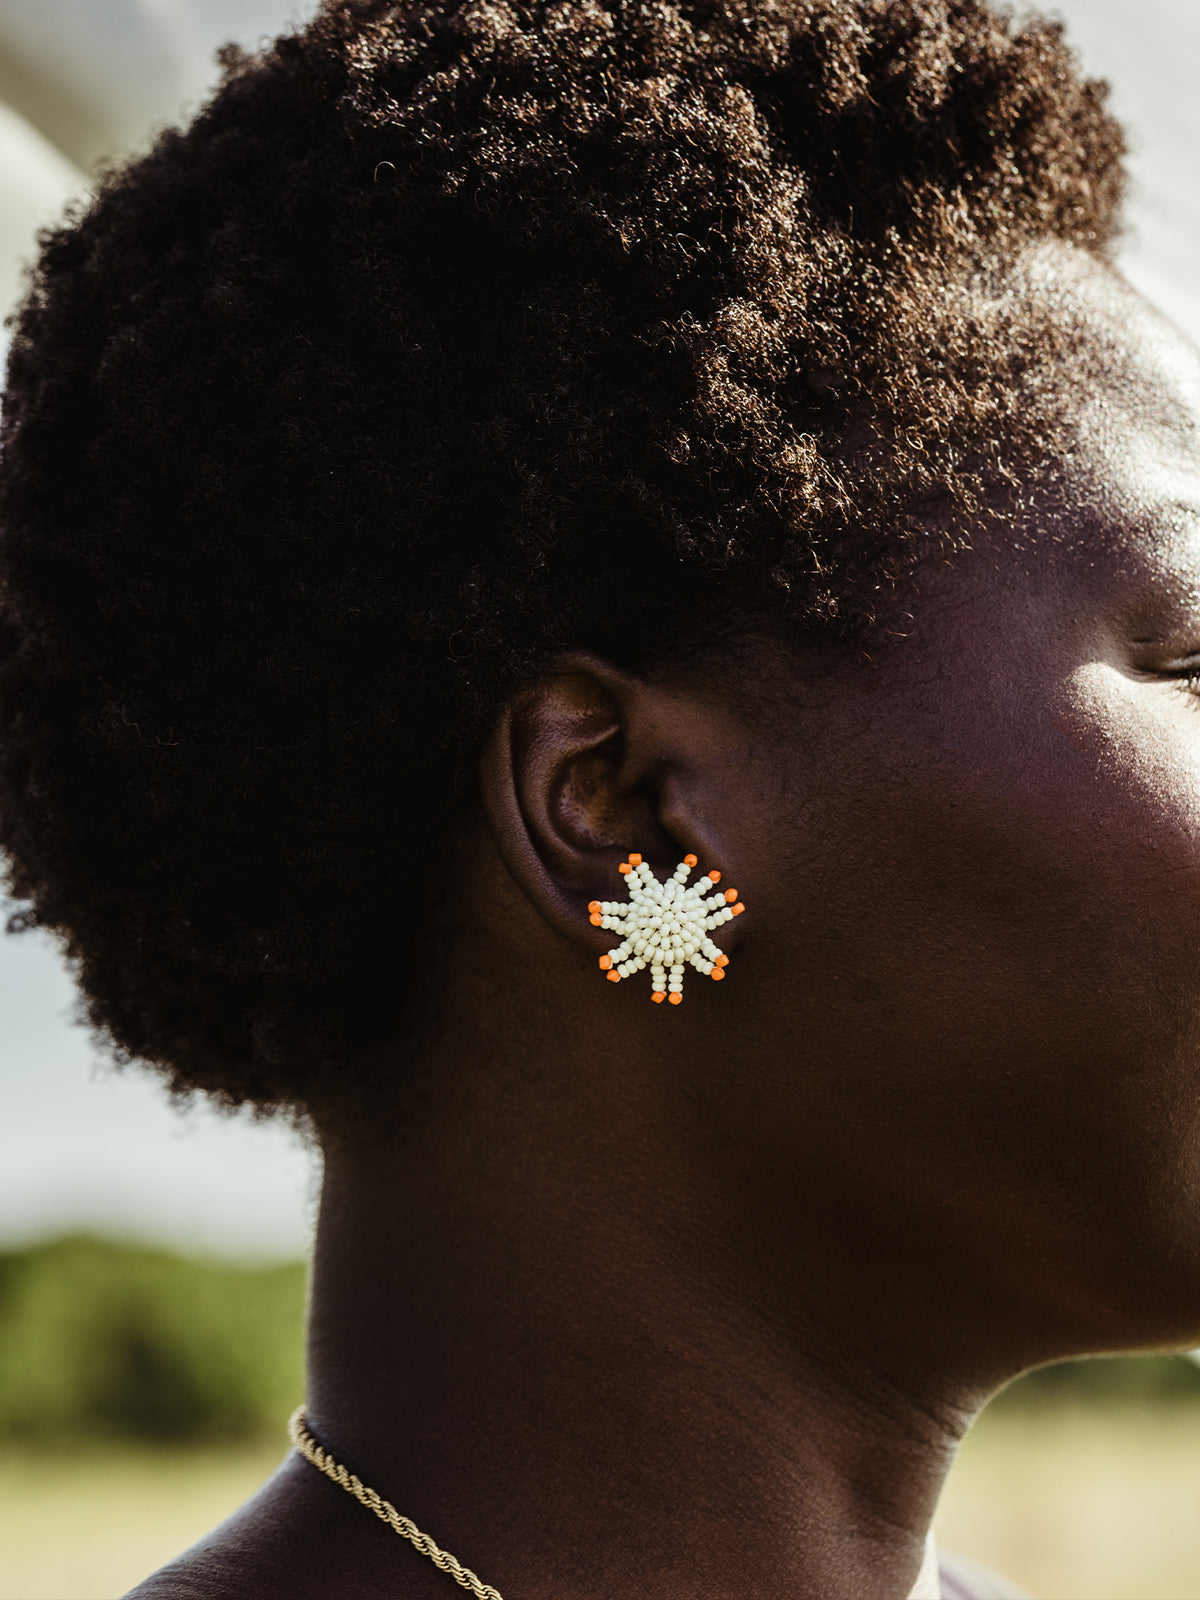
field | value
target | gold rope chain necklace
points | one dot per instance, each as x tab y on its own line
384	1509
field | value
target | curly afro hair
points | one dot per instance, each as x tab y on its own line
448	336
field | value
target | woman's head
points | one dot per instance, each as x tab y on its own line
446	341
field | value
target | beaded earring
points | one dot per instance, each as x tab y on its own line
665	926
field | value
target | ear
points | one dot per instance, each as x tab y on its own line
581	768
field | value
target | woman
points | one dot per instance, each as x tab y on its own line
493	440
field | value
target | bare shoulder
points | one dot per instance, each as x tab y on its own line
253	1552
186	1579
298	1537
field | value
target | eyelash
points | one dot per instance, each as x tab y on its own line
1189	681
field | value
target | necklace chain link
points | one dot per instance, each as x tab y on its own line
321	1459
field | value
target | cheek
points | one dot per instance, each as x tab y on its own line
1006	912
989	939
970	989
1037	851
1067	840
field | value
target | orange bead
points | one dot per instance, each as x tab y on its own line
714	877
605	963
717	974
675	999
595	919
722	960
624	867
614	976
658	997
635	861
731	895
689	861
593	905
738	909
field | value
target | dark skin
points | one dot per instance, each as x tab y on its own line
695	1302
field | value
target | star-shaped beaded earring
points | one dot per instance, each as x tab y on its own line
665	926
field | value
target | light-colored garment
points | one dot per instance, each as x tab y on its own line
961	1579
945	1576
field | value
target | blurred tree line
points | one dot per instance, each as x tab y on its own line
107	1341
100	1340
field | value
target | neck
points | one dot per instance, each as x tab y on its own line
554	1366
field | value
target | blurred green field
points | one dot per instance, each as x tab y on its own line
143	1396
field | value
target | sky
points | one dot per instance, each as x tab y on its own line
81	1145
